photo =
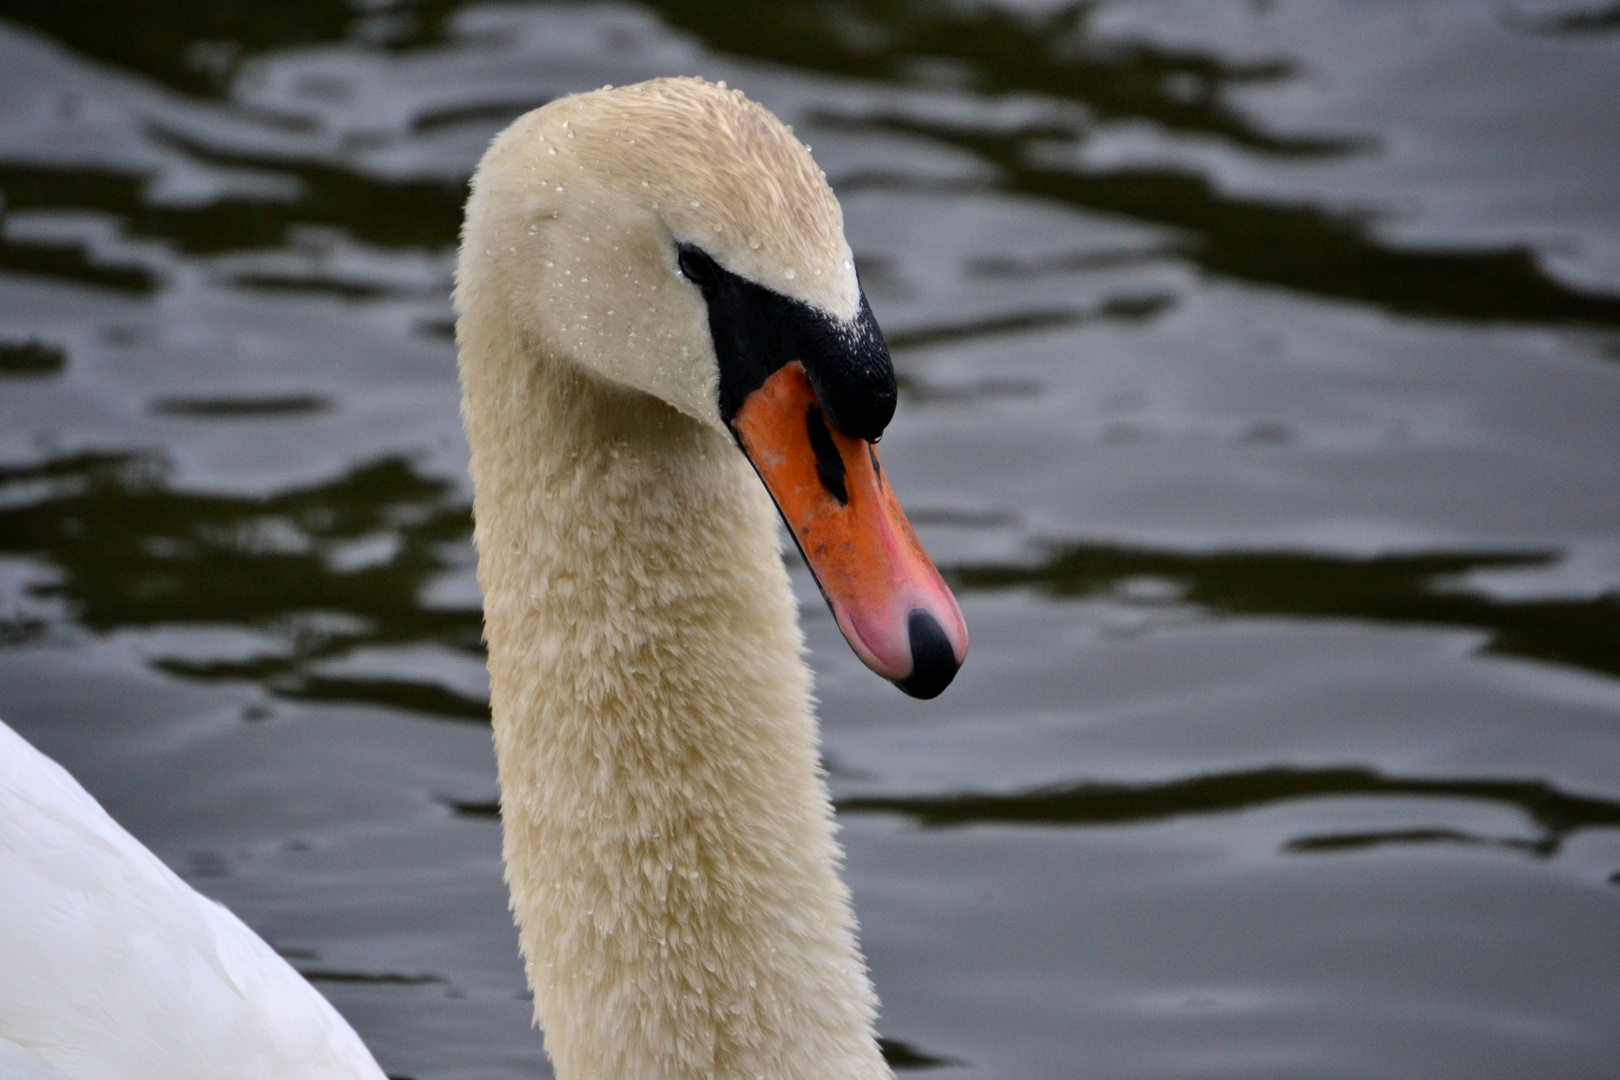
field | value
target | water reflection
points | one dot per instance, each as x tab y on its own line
1301	247
1128	308
321	572
30	359
198	45
130	552
1556	815
1056	56
993	50
72	259
1405	589
903	1055
379	212
401	213
1546	19
229	408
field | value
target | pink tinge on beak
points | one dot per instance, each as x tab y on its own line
915	638
894	609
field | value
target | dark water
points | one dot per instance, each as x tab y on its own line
1261	394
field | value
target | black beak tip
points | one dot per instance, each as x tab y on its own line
933	662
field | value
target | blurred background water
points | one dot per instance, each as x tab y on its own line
1260	383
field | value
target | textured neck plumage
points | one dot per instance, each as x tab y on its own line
668	837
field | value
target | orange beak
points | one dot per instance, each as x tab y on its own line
895	610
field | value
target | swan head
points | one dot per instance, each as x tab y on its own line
675	238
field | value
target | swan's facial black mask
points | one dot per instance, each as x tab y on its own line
756	332
806	396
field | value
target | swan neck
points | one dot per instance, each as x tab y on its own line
667	832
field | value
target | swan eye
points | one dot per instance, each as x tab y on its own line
696	267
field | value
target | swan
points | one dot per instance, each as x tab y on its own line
112	968
663	344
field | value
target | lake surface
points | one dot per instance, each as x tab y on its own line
1260	396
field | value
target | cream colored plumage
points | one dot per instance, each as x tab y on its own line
668	835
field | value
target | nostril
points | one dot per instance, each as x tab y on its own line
933	662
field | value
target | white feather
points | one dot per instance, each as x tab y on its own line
112	968
18	1064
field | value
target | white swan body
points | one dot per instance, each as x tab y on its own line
668	835
112	968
